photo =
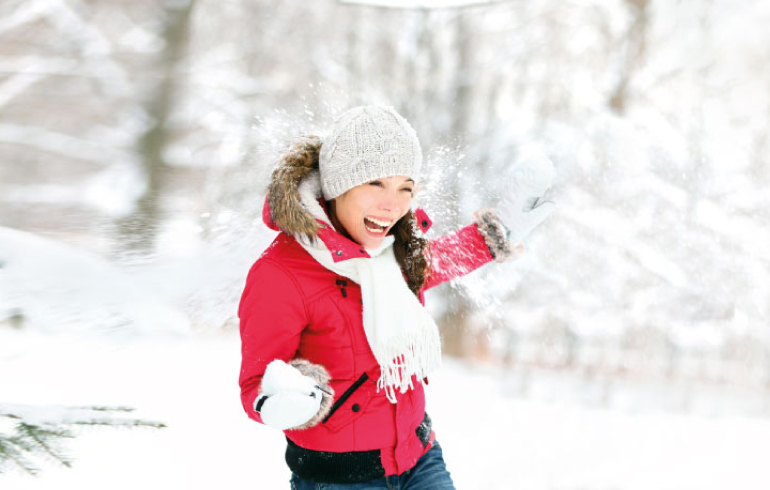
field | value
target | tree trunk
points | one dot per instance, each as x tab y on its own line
634	54
455	325
138	231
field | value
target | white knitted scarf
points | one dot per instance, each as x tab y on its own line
402	335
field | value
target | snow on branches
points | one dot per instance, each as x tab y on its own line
29	432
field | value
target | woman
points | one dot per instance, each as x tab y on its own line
335	340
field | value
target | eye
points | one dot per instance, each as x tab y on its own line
408	189
376	182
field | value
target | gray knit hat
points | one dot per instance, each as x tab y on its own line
367	143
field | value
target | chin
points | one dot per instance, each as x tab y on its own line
371	244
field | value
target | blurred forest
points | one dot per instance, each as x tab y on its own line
143	131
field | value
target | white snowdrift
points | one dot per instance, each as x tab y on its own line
52	287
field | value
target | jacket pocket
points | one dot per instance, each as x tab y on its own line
350	405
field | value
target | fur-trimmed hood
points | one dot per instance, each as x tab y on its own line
294	202
283	205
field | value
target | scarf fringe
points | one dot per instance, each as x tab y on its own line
398	369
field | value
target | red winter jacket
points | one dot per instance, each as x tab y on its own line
293	307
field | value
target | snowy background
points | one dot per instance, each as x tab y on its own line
629	348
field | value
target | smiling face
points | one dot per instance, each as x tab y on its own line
367	212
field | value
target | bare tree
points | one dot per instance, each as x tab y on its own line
138	230
634	48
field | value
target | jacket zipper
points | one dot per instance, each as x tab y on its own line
342	283
346	395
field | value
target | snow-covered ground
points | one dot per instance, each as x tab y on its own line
491	440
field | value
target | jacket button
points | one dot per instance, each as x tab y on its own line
362	250
424	223
356	407
339	252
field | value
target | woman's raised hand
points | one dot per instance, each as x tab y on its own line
522	207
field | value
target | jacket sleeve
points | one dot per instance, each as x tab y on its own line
455	255
272	316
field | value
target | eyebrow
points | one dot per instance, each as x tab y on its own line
402	183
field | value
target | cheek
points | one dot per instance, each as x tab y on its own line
406	203
353	217
366	205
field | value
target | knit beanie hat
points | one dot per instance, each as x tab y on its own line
367	143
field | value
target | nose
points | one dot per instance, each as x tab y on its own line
389	201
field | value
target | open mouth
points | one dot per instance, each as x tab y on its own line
377	226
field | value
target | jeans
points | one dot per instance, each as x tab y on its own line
429	473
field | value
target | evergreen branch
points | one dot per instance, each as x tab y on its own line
38	430
9	452
127	423
110	409
40	437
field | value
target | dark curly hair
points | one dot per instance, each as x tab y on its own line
411	252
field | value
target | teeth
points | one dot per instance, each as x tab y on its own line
372	230
379	222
